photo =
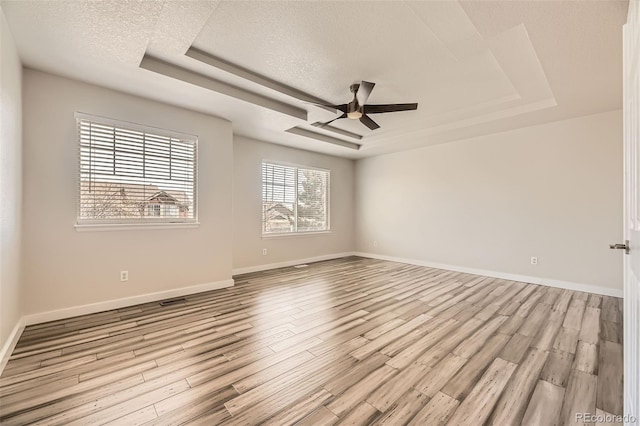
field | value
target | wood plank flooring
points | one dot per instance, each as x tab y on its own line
347	341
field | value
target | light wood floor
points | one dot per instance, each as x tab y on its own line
349	341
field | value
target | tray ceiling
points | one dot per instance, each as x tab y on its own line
473	67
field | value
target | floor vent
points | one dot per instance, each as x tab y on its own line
173	301
304	265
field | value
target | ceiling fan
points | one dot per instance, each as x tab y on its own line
358	110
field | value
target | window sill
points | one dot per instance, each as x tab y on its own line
295	234
97	227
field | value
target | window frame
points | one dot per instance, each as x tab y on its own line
327	198
141	223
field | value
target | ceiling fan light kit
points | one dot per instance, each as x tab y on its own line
358	110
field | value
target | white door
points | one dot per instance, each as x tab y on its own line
631	78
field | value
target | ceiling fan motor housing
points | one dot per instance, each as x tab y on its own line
354	111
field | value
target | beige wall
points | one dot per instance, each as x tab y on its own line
553	191
67	268
10	184
247	206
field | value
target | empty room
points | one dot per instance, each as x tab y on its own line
218	212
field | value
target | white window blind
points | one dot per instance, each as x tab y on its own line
132	174
294	199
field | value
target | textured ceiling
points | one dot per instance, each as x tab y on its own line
474	67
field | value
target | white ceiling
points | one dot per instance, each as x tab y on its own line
474	67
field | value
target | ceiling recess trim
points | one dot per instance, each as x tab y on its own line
167	69
337	130
322	137
254	77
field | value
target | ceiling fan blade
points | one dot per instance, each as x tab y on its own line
331	121
369	122
379	109
342	107
364	91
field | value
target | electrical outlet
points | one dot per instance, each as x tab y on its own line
264	251
534	260
375	244
124	275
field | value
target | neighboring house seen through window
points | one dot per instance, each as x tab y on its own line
131	174
294	199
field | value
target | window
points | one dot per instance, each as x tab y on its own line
153	210
294	199
131	174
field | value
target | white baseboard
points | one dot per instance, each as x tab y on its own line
588	288
10	344
258	268
152	297
124	302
